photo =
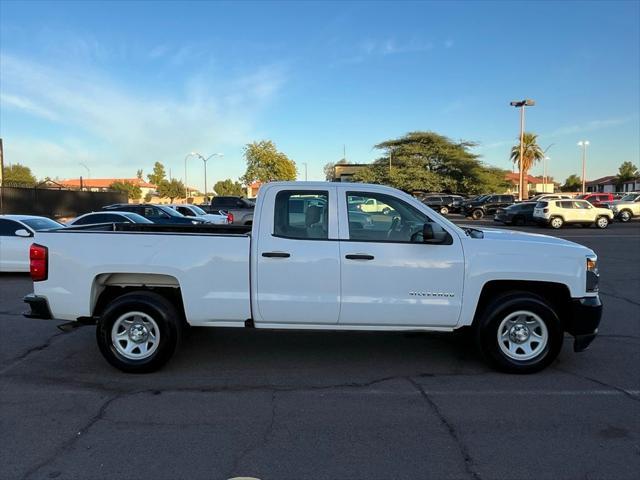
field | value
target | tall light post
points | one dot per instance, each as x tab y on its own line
205	160
186	189
521	104
544	167
584	144
305	171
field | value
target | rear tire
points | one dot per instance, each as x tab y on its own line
556	222
519	333
139	332
625	216
477	214
602	222
444	211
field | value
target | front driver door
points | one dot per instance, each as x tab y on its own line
389	277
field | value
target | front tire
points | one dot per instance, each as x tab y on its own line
519	333
139	332
477	214
602	222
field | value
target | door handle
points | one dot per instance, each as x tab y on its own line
276	254
359	256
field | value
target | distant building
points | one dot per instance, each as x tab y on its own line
534	184
104	184
344	172
252	190
609	184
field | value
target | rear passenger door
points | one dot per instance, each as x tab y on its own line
296	262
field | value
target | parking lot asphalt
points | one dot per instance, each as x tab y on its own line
320	405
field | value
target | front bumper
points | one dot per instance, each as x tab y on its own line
39	307
583	319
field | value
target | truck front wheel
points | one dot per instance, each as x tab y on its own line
519	333
138	332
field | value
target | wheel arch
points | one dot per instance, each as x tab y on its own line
556	294
106	287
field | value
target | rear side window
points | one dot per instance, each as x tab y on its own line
8	228
302	214
542	204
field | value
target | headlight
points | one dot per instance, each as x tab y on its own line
593	276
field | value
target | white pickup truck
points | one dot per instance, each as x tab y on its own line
311	261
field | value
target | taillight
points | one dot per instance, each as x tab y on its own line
230	217
545	210
38	262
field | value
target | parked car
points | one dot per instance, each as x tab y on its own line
596	199
516	214
626	207
549	196
486	205
406	273
443	203
108	217
16	236
156	213
240	209
196	212
556	213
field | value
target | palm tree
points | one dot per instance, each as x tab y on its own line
532	153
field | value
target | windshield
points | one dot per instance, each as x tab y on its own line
134	217
41	223
198	210
169	211
629	198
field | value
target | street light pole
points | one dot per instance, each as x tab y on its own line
544	167
521	104
205	160
584	144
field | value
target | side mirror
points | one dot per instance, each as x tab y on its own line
23	233
427	232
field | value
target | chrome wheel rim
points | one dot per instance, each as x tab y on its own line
556	223
135	335
603	222
522	335
444	210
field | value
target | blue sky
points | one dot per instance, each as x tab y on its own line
118	86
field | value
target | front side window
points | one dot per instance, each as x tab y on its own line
565	204
394	221
185	211
302	214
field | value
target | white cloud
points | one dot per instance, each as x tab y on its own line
113	127
592	126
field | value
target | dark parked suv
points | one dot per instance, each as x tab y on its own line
443	203
240	208
486	205
155	213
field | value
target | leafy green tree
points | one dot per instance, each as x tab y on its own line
532	153
228	187
148	197
158	175
573	183
266	164
171	189
627	171
432	162
139	174
132	190
19	175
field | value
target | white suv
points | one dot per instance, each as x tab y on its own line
627	207
558	212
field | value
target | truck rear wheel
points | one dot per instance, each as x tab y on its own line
139	332
519	333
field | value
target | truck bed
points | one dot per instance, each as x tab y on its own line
209	264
